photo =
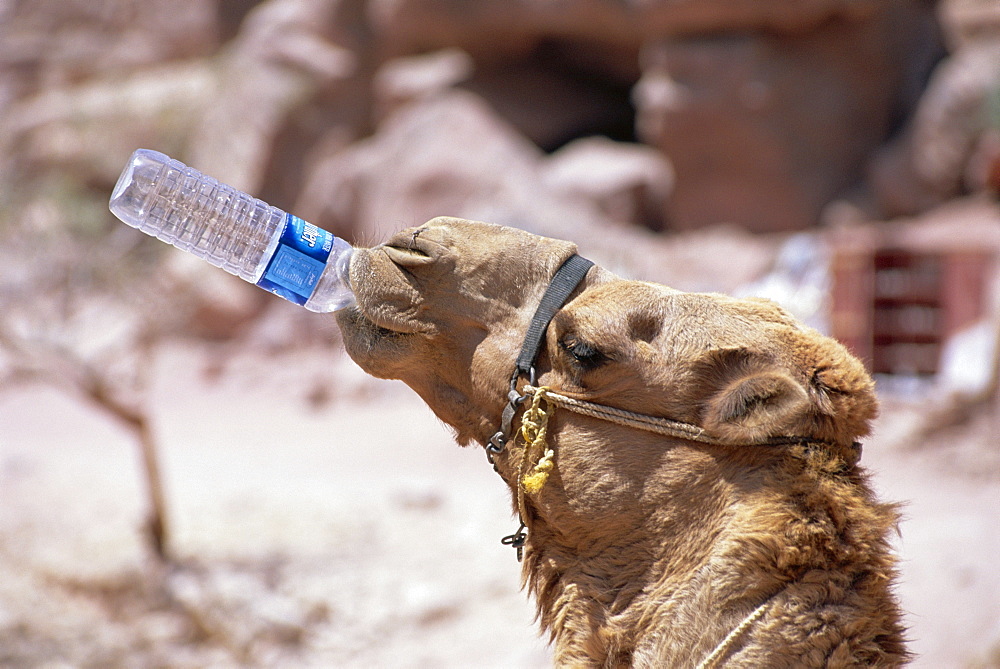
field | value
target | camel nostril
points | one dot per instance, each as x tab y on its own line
407	256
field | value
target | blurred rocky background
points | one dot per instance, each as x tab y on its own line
745	146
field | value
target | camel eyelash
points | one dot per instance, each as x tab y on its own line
584	354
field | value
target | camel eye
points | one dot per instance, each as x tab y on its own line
585	355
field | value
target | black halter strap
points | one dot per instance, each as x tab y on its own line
563	283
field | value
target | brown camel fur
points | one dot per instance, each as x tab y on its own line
645	550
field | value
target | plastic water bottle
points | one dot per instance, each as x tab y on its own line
243	235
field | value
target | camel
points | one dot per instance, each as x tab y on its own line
725	521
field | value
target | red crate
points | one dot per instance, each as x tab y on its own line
895	308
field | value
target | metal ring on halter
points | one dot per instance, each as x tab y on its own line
514	399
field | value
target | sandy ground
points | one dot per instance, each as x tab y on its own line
324	519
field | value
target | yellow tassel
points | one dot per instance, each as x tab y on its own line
534	425
539	475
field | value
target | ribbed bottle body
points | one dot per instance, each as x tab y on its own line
245	236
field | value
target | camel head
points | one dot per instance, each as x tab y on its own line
444	307
640	544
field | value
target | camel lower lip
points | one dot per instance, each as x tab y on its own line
381	324
391	325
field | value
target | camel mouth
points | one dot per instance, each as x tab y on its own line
366	341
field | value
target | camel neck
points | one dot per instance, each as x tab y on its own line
814	555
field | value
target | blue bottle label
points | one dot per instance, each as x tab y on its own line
298	260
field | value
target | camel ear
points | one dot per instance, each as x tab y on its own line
754	405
